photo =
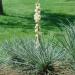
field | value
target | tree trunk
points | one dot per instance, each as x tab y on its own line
1	7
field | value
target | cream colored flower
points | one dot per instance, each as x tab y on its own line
36	26
37	18
36	30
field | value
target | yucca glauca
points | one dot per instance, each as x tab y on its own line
37	18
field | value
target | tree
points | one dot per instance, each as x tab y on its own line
1	7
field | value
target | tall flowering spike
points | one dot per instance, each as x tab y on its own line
37	18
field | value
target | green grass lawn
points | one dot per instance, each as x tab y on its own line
18	19
23	7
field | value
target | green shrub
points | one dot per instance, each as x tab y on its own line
68	42
43	60
4	57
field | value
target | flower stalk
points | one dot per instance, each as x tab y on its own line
37	18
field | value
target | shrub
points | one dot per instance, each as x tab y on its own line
68	42
48	58
4	57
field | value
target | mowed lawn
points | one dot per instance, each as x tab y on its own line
18	19
26	7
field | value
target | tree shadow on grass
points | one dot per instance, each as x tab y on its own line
49	21
17	22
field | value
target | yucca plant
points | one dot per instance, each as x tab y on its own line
48	59
68	41
43	57
4	57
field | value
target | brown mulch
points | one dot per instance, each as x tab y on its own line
10	71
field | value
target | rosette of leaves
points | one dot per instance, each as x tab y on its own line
68	40
48	58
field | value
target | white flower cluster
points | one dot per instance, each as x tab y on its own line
37	18
37	15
